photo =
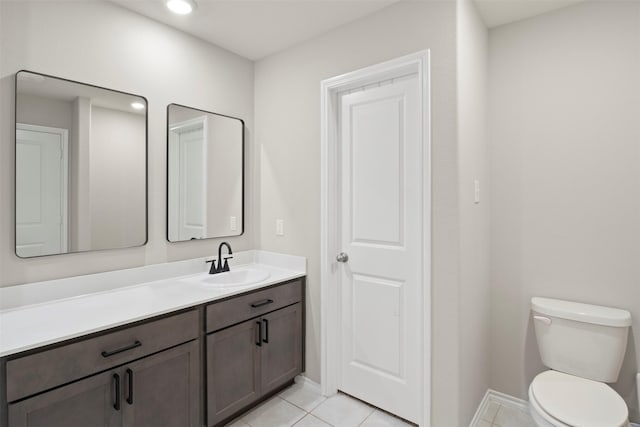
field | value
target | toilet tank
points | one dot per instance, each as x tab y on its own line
585	340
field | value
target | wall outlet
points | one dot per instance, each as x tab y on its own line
233	223
279	227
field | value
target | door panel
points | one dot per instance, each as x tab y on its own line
379	326
87	403
281	346
233	370
376	178
163	389
381	230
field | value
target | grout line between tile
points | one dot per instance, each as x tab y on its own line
299	407
495	417
496	414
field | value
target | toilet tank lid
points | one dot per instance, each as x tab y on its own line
596	314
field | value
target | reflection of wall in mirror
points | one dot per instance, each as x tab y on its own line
36	110
106	183
117	181
224	175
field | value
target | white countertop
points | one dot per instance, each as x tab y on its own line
27	321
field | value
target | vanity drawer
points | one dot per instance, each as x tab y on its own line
50	368
241	308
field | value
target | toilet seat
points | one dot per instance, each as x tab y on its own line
566	400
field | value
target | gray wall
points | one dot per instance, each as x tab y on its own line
473	163
117	197
287	111
103	44
565	150
37	110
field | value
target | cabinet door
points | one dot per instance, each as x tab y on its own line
281	346
233	367
163	389
92	402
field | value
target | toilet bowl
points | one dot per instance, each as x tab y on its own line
557	399
584	345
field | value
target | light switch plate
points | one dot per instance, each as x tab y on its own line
233	223
279	227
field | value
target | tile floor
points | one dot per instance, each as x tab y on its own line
302	405
500	415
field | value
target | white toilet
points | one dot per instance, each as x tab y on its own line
584	345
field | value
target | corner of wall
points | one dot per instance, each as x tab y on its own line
474	226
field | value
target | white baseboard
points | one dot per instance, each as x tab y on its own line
499	398
301	379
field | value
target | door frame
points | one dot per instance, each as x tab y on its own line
64	208
417	63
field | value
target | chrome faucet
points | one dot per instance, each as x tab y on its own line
221	268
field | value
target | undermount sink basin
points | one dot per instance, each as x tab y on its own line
238	277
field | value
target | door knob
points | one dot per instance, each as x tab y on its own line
342	257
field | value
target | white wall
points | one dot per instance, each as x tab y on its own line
565	150
37	110
105	45
473	163
117	181
224	179
287	111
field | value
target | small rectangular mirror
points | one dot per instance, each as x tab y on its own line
81	167
205	174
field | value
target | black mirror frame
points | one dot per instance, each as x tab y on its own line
146	164
242	222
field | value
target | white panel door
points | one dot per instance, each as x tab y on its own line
41	179
193	184
381	231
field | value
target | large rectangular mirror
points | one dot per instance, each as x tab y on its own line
205	176
81	167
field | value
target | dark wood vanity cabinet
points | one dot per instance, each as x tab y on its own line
152	373
250	359
159	388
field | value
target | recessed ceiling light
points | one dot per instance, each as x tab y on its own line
137	105
181	7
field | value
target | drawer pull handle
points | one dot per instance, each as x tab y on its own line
261	303
130	382
120	350
266	331
116	381
259	334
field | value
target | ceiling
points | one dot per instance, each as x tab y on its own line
499	12
258	28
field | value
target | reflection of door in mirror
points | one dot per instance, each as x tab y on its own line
41	183
205	174
188	179
92	196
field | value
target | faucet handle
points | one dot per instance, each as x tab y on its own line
225	267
